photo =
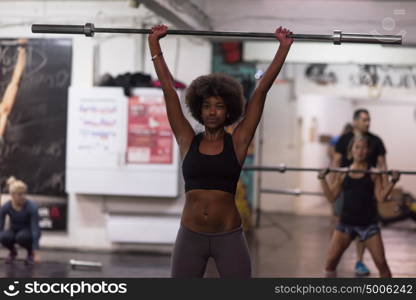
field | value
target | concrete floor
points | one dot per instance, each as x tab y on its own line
283	246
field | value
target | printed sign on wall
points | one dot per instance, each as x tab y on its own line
150	138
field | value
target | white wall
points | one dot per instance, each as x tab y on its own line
396	125
324	110
326	115
186	57
279	143
316	17
321	115
290	134
329	53
92	57
392	109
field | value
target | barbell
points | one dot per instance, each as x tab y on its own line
291	192
283	168
74	264
337	37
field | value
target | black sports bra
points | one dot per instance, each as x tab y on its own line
211	172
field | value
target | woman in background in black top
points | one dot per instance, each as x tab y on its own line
359	212
210	223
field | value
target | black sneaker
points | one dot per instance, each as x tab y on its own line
29	259
12	256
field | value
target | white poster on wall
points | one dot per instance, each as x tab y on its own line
97	124
95	128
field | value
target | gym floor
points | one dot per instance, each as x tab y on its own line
283	246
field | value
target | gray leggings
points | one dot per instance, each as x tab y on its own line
192	250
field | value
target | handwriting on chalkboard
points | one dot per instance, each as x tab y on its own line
35	57
34	147
37	61
53	149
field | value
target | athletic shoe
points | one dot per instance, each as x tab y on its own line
29	259
12	256
361	269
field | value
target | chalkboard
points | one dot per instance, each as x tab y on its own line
34	144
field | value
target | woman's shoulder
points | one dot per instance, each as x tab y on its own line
228	134
6	205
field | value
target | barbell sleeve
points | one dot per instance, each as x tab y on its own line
87	29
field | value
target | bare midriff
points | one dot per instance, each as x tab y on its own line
210	211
